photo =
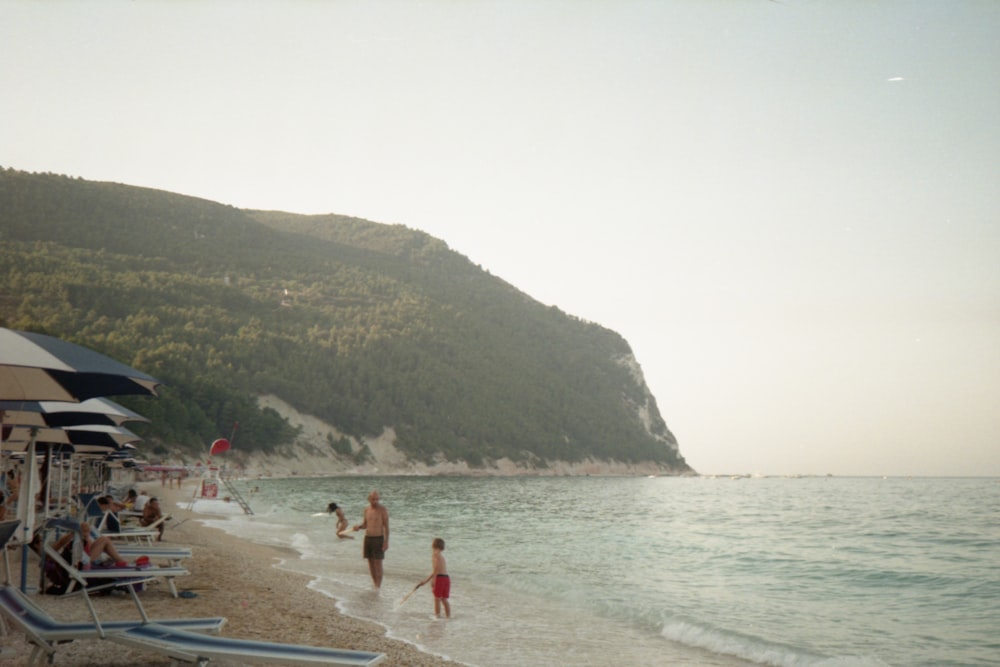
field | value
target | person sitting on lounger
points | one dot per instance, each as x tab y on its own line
98	551
140	501
151	514
96	547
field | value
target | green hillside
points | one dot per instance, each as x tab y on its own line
363	325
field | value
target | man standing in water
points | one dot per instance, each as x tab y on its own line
376	525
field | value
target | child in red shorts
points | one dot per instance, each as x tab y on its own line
442	583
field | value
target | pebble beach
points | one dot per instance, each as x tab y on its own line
229	577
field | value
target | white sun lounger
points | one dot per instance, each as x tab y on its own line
170	554
110	526
116	576
200	650
45	632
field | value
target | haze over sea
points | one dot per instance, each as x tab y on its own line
598	571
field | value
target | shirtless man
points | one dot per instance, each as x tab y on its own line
376	525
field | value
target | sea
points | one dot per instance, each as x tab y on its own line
717	571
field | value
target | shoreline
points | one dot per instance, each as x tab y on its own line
231	577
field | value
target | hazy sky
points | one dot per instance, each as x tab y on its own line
790	209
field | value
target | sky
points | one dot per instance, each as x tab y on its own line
789	208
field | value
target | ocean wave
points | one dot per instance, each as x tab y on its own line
755	649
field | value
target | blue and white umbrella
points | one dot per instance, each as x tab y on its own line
16	438
36	367
57	414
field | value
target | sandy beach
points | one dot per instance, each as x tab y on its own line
231	578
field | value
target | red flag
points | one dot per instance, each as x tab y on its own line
218	447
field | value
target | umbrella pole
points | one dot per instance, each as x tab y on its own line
62	483
47	481
26	498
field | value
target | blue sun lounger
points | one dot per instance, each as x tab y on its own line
170	638
46	633
199	649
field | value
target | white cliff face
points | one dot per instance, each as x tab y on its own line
312	455
645	410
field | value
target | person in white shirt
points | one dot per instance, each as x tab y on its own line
140	501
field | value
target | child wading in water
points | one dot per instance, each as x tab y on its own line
442	583
332	508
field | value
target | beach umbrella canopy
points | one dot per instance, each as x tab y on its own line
61	414
218	446
36	367
16	438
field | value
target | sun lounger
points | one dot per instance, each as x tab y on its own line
45	632
200	649
172	638
107	523
115	576
159	553
88	503
111	526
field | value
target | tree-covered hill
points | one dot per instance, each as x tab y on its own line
363	325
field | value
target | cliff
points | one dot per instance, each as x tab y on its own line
382	333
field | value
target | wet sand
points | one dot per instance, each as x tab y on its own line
231	578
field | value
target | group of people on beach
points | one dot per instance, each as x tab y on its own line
147	509
97	549
375	523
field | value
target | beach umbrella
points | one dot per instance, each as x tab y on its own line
218	446
94	439
60	413
53	414
36	367
111	437
31	479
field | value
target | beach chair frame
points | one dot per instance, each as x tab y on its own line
126	577
173	638
200	650
45	632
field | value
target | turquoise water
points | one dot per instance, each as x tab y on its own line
664	571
